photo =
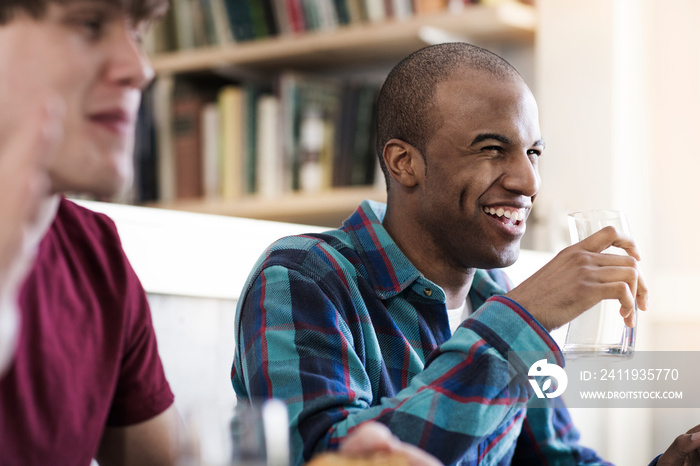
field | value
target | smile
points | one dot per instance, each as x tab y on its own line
507	213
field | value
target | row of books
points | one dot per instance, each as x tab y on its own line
222	140
202	23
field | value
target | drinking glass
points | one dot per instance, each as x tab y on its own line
601	330
251	434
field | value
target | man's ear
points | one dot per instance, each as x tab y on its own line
404	162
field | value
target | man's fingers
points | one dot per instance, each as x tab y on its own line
368	438
640	287
642	294
607	237
679	450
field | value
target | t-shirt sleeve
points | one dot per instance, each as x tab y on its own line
142	390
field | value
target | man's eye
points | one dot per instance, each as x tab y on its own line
534	152
93	26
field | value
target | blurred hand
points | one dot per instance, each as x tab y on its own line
684	451
28	142
27	146
581	276
372	437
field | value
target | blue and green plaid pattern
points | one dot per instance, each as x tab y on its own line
344	329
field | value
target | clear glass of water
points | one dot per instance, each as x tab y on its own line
601	330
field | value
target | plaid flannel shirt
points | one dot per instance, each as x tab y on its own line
344	329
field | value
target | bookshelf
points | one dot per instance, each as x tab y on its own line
361	43
346	47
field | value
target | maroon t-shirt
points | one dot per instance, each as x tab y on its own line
87	354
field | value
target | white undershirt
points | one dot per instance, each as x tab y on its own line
459	315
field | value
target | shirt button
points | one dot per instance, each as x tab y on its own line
428	292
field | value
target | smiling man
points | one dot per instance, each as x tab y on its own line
402	315
85	380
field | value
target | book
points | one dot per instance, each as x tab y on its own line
327	14
357	11
198	20
187	107
401	9
184	30
251	95
421	7
269	164
230	102
364	153
145	186
295	11
240	21
301	94
281	15
211	150
376	10
312	16
269	15
221	24
161	36
355	153
258	20
347	123
342	12
162	103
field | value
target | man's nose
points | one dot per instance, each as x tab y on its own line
522	175
129	65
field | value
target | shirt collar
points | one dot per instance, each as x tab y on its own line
388	269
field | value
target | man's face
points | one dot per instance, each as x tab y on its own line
88	54
481	170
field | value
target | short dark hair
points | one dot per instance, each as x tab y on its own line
138	10
405	102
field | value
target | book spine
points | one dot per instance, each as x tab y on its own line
296	15
221	23
187	105
211	149
282	20
239	19
184	31
163	94
269	170
257	19
341	9
230	106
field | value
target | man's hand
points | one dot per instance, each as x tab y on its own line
27	146
29	137
581	276
373	437
684	451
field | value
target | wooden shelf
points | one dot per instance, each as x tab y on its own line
324	208
360	44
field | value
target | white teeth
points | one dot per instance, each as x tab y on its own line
515	215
